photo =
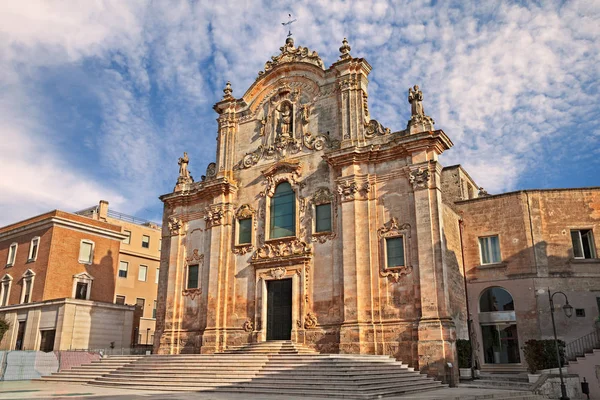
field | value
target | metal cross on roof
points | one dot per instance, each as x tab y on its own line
290	22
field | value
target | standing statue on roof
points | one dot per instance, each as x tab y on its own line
415	98
183	166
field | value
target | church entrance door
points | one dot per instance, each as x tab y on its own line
279	309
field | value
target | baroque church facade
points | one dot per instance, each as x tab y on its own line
315	224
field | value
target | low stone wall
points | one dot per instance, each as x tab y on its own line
26	365
548	385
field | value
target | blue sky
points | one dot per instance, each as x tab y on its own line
98	99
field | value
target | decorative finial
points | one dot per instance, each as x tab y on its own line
228	90
288	24
345	50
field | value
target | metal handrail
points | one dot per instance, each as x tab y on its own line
585	344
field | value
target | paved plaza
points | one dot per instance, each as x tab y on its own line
21	390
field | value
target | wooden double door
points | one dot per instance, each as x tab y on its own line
279	309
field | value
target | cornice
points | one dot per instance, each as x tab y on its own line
200	190
65	223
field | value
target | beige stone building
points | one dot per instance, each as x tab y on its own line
138	270
315	224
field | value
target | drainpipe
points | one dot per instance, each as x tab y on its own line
461	227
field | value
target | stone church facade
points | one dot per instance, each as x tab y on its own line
315	224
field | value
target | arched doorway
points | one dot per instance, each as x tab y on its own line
498	327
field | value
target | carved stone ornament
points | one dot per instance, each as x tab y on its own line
419	178
347	189
482	192
393	228
322	196
345	50
242	249
184	174
195	258
289	53
174	225
248	326
227	91
211	171
374	128
282	171
395	276
310	321
214	217
389	230
281	249
245	211
322	237
419	122
191	293
277	273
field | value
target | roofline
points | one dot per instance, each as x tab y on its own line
494	196
459	166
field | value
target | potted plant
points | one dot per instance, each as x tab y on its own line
463	348
534	354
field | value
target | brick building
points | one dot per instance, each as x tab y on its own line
61	286
320	225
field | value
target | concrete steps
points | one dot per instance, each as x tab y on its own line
272	368
506	381
88	372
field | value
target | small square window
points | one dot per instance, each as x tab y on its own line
583	243
394	247
245	231
123	267
143	273
127	240
490	249
146	241
580	312
323	218
120	300
192	281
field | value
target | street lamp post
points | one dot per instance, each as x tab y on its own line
568	309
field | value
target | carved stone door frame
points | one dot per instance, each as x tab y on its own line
276	273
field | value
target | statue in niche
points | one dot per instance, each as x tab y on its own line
183	166
415	98
284	123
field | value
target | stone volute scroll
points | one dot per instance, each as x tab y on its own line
419	178
174	225
394	229
419	122
214	216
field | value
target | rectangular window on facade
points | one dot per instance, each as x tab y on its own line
580	312
47	340
140	303
120	300
127	240
5	289
490	250
323	220
123	266
583	243
12	254
146	241
81	290
33	248
154	310
85	252
245	231
26	291
192	281
394	247
143	273
157	275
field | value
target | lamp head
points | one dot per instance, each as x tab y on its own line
568	309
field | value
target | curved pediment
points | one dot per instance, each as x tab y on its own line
289	53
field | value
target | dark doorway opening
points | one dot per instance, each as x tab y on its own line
20	335
279	309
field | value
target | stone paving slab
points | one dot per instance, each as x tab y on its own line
21	390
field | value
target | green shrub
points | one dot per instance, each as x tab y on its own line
3	327
541	354
463	348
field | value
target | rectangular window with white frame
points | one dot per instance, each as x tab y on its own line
489	249
86	251
5	286
12	255
27	288
33	249
143	273
123	267
583	243
157	275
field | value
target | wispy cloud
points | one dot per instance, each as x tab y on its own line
99	98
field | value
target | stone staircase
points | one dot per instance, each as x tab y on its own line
274	367
507	381
88	372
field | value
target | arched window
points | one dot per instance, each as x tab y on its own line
496	299
283	212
